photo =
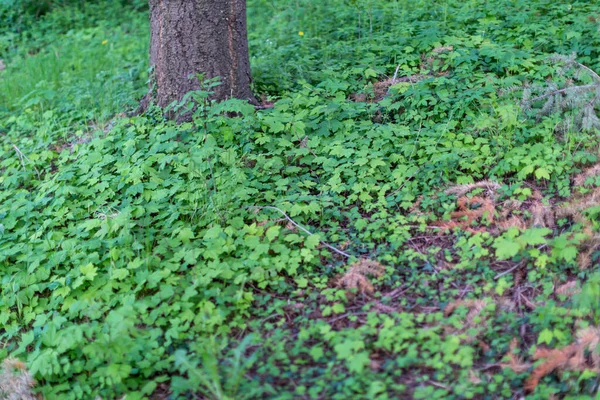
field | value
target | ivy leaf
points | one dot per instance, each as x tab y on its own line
370	73
301	282
569	253
542	173
535	236
312	241
89	271
525	171
273	232
358	362
545	336
316	352
506	249
185	235
120	273
338	308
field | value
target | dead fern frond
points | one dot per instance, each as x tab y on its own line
416	207
509	206
584	259
541	215
579	179
466	215
506	304
574	208
16	382
513	221
515	363
357	275
588	339
568	289
475	308
486	208
473	378
571	357
460	190
442	49
553	359
569	94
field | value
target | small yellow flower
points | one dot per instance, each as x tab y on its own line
104	42
301	33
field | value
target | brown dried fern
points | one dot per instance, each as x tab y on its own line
571	357
579	179
553	359
460	190
574	208
465	215
357	275
568	289
514	362
512	222
475	308
541	215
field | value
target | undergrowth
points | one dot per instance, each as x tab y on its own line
397	225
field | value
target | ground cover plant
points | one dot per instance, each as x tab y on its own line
413	214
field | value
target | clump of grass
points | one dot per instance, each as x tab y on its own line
93	72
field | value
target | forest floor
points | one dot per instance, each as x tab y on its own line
415	217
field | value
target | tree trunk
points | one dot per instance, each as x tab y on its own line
190	37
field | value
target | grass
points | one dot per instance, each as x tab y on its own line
363	238
95	70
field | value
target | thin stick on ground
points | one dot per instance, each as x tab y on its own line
593	73
404	183
508	271
343	253
23	158
393	79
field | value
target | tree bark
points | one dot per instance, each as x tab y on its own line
190	37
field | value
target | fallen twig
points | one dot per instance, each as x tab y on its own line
508	271
23	157
393	79
343	253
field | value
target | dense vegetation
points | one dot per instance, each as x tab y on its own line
405	221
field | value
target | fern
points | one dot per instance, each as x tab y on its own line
577	91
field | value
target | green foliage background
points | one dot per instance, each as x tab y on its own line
135	255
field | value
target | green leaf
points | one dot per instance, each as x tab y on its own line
506	248
120	273
535	236
569	253
301	282
358	362
542	173
316	352
273	232
185	235
370	73
89	271
545	336
338	308
312	241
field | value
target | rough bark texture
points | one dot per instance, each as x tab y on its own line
189	37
